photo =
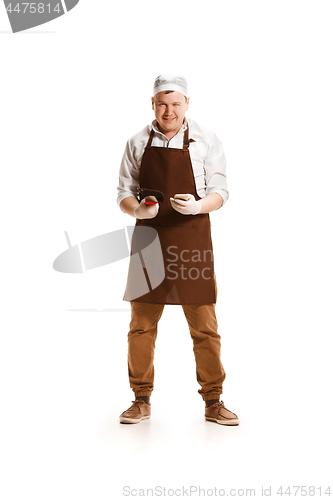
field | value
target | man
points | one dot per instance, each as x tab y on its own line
184	166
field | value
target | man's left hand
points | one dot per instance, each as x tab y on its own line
185	204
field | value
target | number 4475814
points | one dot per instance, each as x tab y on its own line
33	8
304	491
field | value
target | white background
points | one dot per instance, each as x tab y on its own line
72	92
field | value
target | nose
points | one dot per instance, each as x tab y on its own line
168	110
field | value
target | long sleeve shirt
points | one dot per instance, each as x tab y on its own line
207	158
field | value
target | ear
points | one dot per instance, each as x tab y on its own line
187	103
152	103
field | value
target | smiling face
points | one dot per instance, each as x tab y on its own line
170	109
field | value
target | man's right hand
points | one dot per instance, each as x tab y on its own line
144	211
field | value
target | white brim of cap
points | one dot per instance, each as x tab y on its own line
170	86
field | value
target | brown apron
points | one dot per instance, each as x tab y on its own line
185	239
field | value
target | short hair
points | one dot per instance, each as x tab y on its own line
169	92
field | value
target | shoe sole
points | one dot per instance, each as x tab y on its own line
124	420
223	422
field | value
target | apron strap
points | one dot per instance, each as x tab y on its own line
150	138
186	141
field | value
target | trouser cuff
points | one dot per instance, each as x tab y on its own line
142	393
208	397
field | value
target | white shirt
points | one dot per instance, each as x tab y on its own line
207	158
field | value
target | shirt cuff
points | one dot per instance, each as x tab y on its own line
122	196
221	192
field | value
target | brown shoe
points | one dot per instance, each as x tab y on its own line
218	413
135	413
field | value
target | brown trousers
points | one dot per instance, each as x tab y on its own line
206	346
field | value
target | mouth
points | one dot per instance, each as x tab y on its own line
169	119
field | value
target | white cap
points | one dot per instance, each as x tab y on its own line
170	82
